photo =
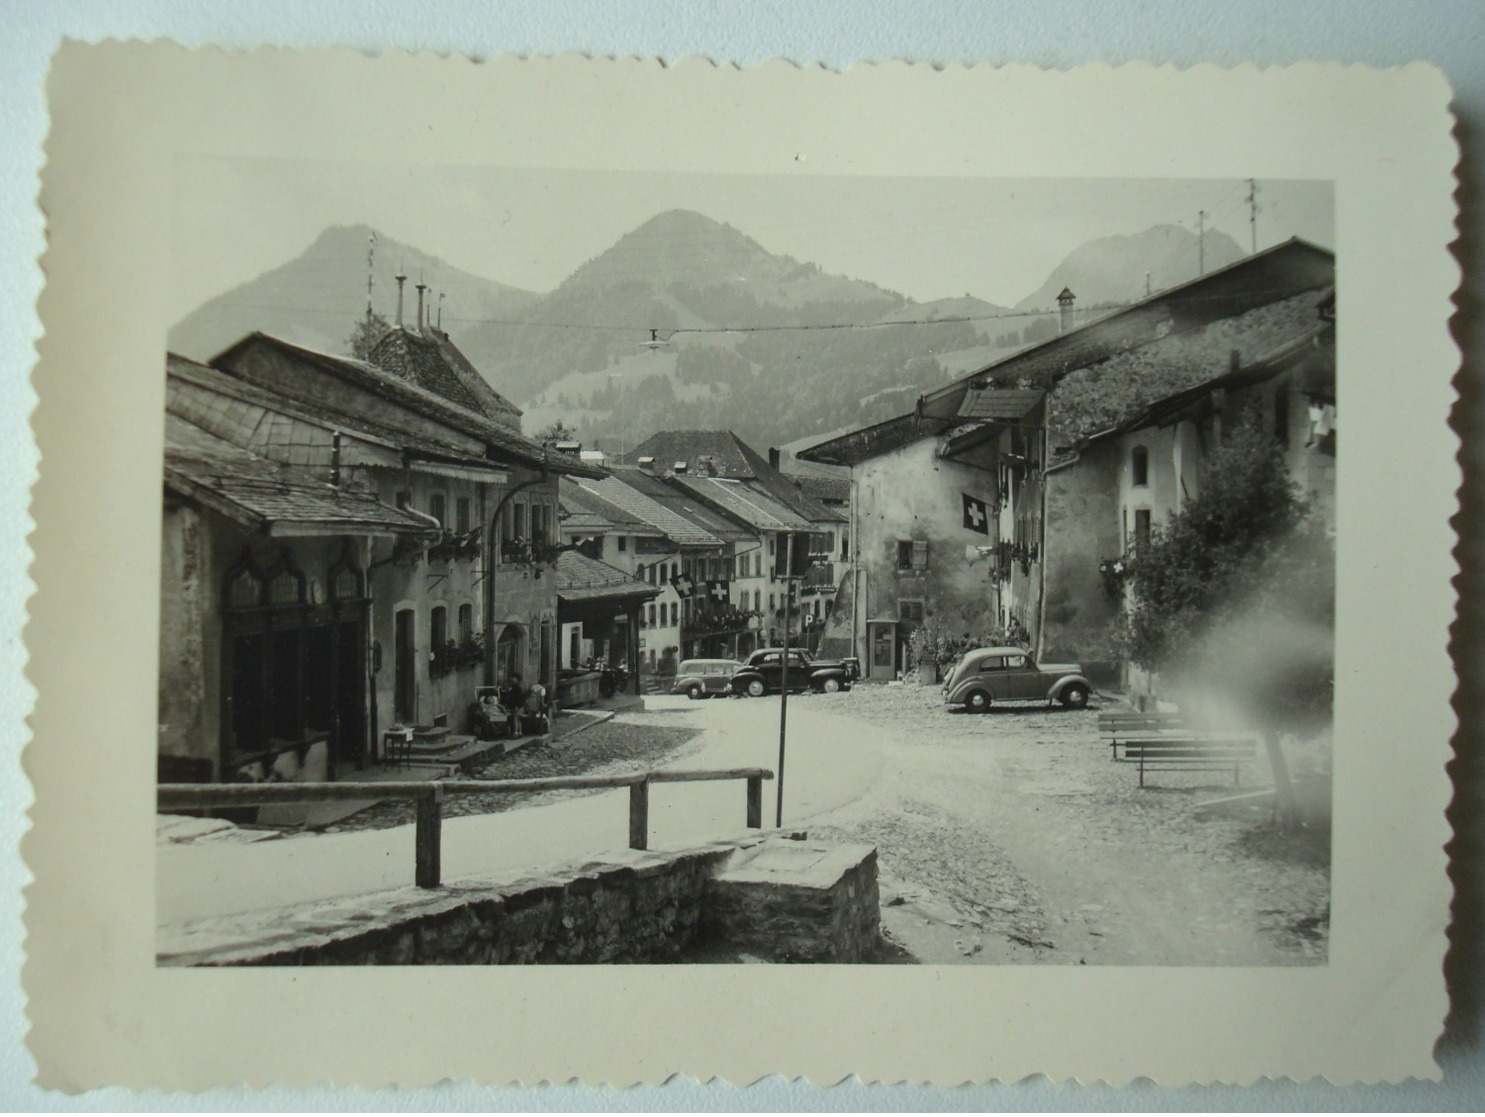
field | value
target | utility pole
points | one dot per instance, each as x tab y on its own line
1201	242
1253	212
778	811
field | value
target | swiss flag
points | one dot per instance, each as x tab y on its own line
683	585
976	515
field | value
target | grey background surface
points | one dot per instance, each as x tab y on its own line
1054	33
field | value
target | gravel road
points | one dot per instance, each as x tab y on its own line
1012	837
1008	837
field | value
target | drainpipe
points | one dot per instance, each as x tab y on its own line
1041	532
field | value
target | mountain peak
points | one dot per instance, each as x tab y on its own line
682	246
1114	269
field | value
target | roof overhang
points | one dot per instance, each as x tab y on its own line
490	475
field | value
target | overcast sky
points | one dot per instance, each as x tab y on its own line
925	237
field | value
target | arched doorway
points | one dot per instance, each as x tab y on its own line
508	652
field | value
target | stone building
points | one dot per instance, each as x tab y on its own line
1019	445
452	588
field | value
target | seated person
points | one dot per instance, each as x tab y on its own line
535	708
488	717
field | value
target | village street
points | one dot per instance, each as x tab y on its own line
1004	838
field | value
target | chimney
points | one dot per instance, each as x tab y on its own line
1065	310
440	311
421	288
773	457
401	281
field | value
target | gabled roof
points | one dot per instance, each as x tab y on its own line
822	487
588	508
721	453
430	360
674	526
229	407
685	504
580	578
501	440
745	502
1272	275
265	495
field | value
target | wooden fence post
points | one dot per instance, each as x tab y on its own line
428	837
639	815
755	802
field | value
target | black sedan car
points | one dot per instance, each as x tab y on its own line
763	673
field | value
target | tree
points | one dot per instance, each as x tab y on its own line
557	432
368	332
1233	602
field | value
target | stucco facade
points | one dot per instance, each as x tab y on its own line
916	563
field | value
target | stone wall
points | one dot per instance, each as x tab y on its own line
798	902
629	906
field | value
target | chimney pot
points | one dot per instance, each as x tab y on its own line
401	282
421	288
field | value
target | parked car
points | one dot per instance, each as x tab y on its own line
763	673
702	678
1006	674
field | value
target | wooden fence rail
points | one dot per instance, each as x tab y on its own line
428	795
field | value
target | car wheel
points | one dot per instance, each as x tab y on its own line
830	686
1075	697
977	701
693	692
756	689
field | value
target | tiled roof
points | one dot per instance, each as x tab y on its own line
684	503
676	527
728	456
822	487
580	578
262	493
731	456
414	397
432	361
581	501
746	502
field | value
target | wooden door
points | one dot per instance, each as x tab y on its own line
405	655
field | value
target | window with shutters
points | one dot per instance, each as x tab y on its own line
461	515
438	508
920	554
1139	465
904	554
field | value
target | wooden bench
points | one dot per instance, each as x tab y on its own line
1208	753
1119	725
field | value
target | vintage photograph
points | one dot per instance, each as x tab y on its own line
574	569
625	567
